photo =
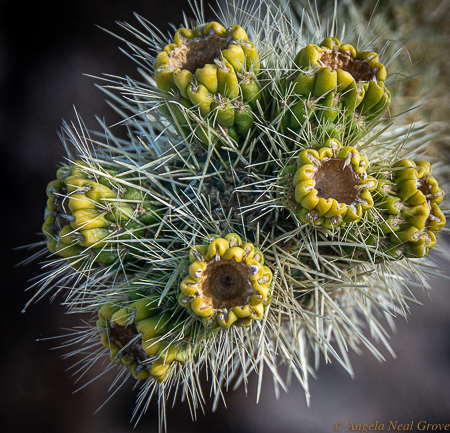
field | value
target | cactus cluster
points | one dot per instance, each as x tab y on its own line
258	211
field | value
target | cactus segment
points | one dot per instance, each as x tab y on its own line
214	70
331	186
407	215
334	83
140	336
227	283
419	213
85	215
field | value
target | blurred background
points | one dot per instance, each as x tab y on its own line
45	48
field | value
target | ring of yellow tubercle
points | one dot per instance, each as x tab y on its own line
193	54
334	83
227	283
332	186
335	67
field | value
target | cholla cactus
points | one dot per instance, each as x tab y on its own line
260	225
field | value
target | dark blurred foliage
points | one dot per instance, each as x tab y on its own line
45	48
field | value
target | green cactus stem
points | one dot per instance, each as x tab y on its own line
336	84
227	284
407	216
419	214
140	336
213	71
86	214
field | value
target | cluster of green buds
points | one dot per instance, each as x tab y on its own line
330	185
141	335
213	72
87	214
335	85
227	284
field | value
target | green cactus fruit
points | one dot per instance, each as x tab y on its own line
330	186
211	71
86	214
227	283
420	214
141	336
335	84
407	215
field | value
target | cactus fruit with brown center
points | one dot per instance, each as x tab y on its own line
331	186
211	71
141	335
335	85
227	284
